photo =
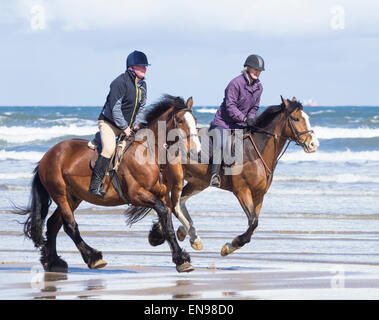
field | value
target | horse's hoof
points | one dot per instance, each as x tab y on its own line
185	267
58	268
181	233
57	265
98	264
227	249
197	244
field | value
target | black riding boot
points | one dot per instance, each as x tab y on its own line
98	174
215	176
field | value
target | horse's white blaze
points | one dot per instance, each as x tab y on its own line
193	131
314	144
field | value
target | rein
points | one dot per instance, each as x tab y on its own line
296	134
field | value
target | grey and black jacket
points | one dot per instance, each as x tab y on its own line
125	101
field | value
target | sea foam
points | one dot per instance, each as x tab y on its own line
19	134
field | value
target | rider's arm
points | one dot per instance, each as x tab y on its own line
117	93
231	102
253	111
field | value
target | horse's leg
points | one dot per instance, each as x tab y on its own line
179	256
91	257
164	228
252	208
178	199
49	257
190	189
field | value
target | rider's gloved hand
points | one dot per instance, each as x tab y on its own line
127	131
250	122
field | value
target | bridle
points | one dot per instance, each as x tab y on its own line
176	125
297	135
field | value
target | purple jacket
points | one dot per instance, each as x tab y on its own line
241	100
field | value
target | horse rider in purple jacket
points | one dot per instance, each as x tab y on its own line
239	107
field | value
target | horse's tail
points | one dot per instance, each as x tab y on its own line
134	214
37	209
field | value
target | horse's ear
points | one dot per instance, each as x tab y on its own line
285	102
189	103
294	99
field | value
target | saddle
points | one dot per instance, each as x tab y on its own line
207	148
122	144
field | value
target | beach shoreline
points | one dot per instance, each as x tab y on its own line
25	281
292	257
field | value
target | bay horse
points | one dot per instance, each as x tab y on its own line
262	148
63	175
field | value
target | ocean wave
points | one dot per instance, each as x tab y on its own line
375	119
338	178
68	121
15	175
343	133
206	110
19	134
322	192
11	187
320	156
21	155
322	111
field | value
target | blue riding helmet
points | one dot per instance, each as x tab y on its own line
136	58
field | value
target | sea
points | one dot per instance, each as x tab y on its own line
321	207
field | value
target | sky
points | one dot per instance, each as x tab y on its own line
67	52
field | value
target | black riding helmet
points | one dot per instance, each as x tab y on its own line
136	58
256	62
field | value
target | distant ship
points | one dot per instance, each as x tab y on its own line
310	103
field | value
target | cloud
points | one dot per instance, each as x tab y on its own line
263	17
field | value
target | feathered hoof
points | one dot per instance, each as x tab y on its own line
58	265
185	267
98	264
196	244
181	233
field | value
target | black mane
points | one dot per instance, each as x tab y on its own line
265	118
166	102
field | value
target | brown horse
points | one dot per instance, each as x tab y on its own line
262	146
63	175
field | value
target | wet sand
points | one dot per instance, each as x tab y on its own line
307	258
28	281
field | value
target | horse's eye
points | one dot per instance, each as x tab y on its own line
295	119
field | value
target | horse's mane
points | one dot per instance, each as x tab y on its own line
265	118
161	106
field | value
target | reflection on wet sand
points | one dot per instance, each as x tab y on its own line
316	281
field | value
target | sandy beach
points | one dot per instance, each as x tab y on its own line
27	281
136	271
